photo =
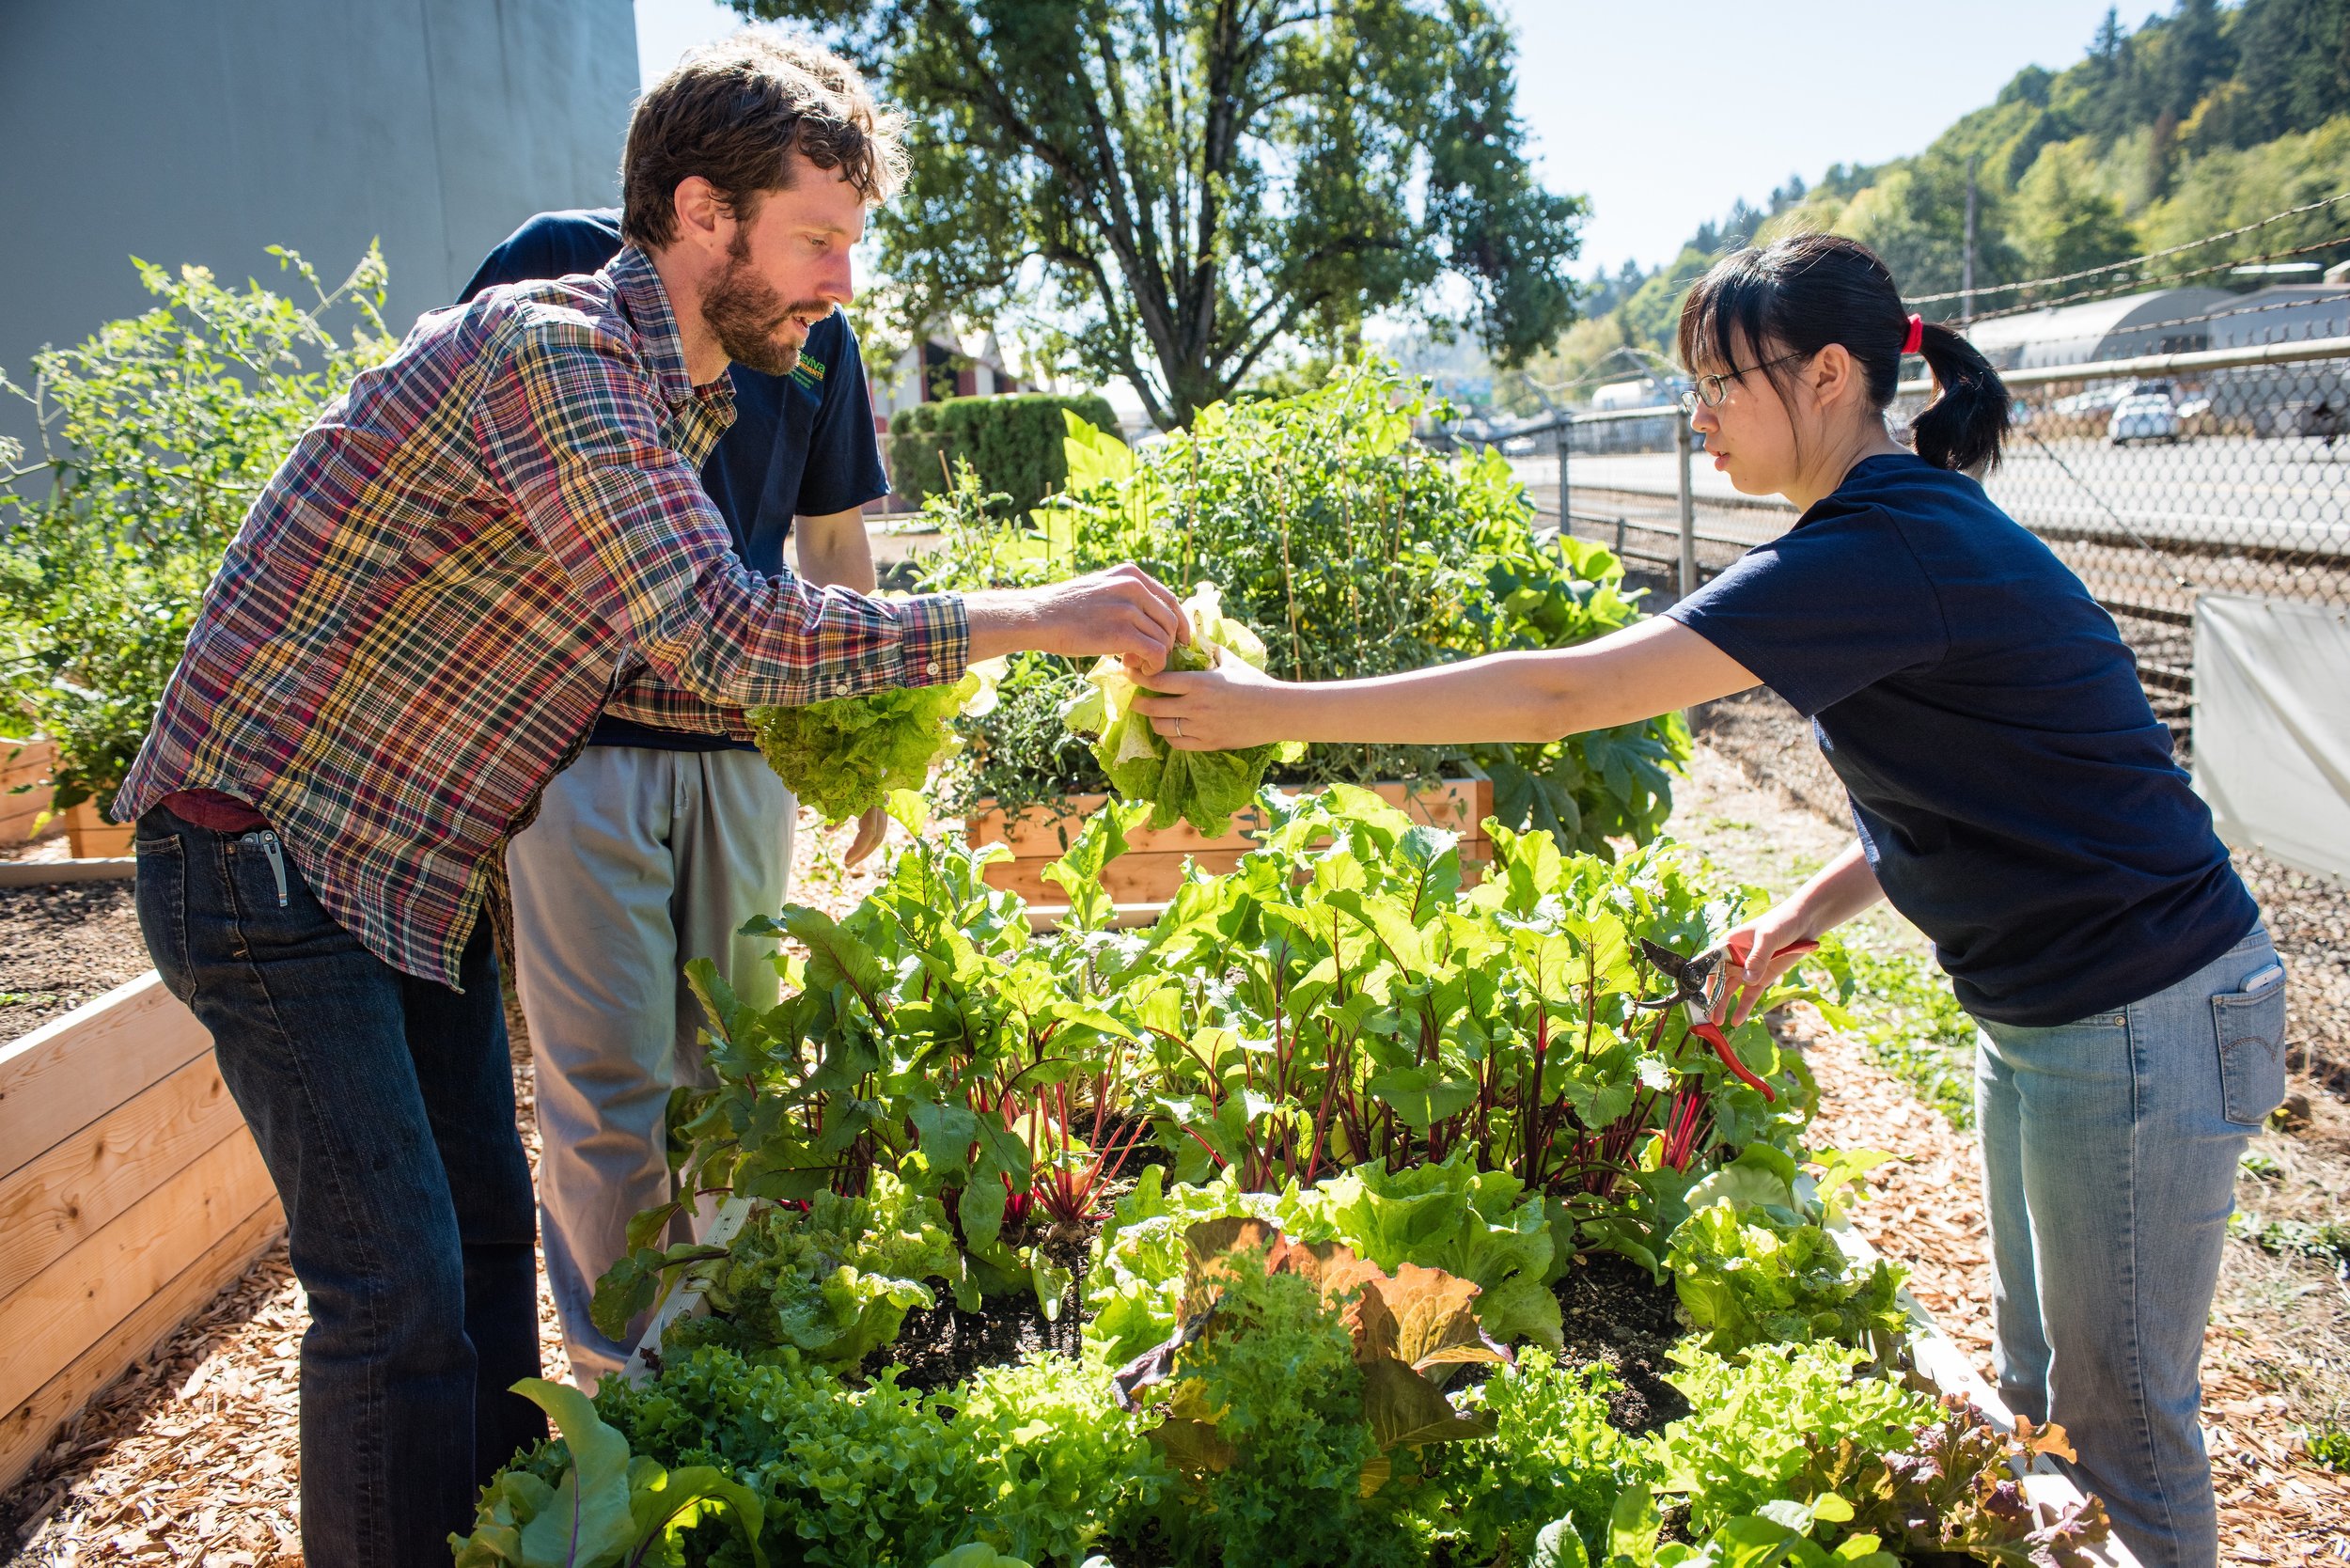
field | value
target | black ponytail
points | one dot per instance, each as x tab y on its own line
1964	424
1799	294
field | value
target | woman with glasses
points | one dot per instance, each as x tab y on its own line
2014	796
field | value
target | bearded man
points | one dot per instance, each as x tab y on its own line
483	542
669	831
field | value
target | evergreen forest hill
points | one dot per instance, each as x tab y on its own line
2206	120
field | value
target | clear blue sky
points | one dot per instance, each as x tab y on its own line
1665	114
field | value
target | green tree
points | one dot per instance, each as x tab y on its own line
1915	217
2061	219
2296	70
1190	184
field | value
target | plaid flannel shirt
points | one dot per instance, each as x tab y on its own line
477	546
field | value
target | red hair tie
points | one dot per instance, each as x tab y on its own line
1917	334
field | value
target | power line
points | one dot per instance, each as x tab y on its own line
2135	261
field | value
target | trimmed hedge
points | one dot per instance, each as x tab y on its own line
1014	440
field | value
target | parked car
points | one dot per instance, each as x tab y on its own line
2144	416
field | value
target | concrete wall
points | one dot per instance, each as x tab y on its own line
204	130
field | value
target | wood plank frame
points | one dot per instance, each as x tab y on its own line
25	764
131	1193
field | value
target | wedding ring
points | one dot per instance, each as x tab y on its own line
1179	730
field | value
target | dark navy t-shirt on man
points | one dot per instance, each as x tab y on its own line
2014	792
802	444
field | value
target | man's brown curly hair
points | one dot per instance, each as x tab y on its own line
734	112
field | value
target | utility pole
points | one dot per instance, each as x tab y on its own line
1966	273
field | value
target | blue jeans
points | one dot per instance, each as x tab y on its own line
384	1105
2109	1151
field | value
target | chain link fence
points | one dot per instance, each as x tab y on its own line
2157	479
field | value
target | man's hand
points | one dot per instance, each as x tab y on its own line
1125	612
1224	709
870	829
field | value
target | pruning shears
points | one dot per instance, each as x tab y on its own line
1699	984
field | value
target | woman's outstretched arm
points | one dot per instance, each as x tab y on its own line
1633	674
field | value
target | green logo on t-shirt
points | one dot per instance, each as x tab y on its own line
809	373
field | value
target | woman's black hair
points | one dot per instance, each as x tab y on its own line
1797	295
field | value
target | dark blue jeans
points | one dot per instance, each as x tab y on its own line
384	1108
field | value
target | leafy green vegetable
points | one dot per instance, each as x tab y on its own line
1061	1455
1302	1382
1780	1531
1449	1215
1753	1268
833	1283
1743	1443
1203	788
1554	1458
606	1507
843	756
978	1554
1953	1490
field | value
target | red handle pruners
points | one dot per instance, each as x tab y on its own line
1698	986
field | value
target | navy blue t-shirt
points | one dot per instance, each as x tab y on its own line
802	444
2012	788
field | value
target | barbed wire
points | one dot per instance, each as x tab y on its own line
2230	314
2125	287
2132	261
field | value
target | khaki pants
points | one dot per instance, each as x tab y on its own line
639	861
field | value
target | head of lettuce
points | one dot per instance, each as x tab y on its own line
1203	787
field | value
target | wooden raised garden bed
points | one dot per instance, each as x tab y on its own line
1153	867
24	766
131	1193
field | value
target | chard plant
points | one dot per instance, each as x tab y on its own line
1340	999
927	1037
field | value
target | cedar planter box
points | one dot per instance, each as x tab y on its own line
25	765
1153	867
130	1194
93	838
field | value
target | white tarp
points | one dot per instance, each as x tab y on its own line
2272	728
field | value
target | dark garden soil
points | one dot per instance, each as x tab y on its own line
62	945
1614	1314
941	1346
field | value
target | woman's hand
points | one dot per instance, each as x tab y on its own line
1837	892
1766	940
1224	708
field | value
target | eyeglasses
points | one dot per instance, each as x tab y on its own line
1711	390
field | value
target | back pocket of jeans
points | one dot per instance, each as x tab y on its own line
2251	1028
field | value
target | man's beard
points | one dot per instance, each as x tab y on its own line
742	312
